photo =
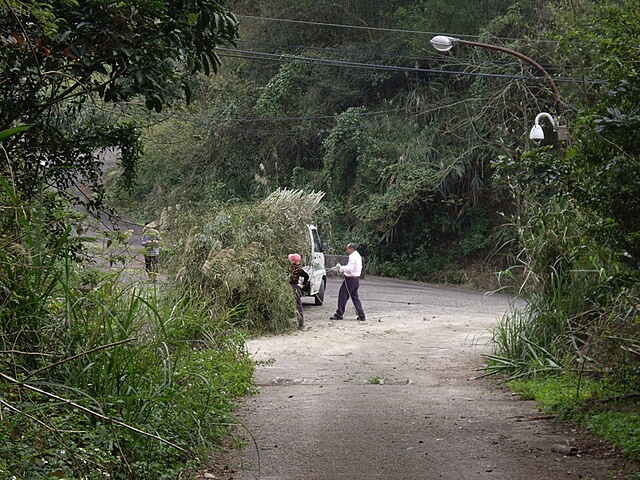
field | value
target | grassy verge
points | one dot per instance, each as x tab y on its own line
131	384
607	413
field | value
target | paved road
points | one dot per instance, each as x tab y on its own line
397	397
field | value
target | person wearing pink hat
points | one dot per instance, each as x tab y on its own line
296	273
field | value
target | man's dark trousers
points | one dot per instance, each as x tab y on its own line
348	288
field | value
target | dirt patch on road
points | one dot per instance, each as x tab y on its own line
397	397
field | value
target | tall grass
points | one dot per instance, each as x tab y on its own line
575	346
581	314
521	349
102	376
235	255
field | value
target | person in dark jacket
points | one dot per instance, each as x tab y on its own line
295	275
151	240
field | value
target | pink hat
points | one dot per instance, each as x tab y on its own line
294	258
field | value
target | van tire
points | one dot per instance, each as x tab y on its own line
319	297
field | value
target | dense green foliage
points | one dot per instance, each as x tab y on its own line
576	233
576	222
423	157
61	61
609	144
102	377
401	168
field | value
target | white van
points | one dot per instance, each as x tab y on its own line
315	267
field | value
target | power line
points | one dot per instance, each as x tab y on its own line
247	54
384	55
381	29
253	55
443	104
340	51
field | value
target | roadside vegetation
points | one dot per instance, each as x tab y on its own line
420	157
607	411
575	347
235	256
103	376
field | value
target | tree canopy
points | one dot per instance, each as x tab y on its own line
62	62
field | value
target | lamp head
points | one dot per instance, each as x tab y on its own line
443	43
536	133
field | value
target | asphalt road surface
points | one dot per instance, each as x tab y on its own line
398	397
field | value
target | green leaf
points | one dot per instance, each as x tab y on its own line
12	131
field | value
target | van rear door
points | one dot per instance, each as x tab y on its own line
316	267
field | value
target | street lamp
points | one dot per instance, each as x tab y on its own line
537	133
444	43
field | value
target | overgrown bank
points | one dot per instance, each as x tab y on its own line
102	375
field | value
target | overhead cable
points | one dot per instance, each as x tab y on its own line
253	55
382	29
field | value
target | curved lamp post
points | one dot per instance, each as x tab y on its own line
444	43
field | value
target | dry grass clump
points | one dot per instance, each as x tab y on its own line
235	255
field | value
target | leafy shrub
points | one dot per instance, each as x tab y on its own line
476	237
235	256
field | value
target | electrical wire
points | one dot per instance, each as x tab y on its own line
385	55
298	48
280	57
225	121
458	60
277	57
381	29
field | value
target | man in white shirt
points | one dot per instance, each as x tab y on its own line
350	285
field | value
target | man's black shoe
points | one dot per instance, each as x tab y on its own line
335	317
361	318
